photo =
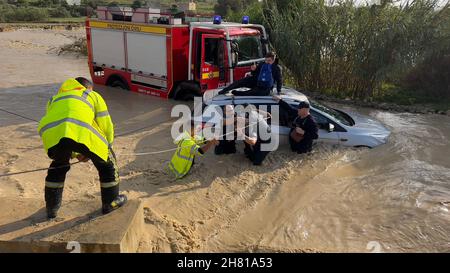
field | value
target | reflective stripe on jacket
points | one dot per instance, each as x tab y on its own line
79	114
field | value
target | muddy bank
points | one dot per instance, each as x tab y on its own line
40	26
336	200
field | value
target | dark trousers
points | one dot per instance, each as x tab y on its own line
301	147
225	147
56	175
248	82
254	153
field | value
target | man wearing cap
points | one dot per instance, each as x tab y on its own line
304	127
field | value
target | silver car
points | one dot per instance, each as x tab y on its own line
335	126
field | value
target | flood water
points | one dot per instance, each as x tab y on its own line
393	198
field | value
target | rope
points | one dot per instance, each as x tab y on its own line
132	154
38	170
15	114
174	149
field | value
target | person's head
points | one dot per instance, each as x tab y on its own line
85	82
303	109
270	57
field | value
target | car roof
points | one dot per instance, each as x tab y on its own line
289	95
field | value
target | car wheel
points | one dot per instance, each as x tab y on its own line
362	146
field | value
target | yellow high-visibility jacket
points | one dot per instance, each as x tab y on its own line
183	158
79	114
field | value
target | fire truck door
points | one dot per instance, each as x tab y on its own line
213	69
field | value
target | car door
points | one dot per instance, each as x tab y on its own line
324	134
213	73
277	126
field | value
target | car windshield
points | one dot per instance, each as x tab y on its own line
249	48
341	117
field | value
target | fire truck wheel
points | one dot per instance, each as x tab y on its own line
185	91
119	84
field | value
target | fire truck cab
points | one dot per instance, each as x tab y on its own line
157	54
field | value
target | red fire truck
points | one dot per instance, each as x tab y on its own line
161	55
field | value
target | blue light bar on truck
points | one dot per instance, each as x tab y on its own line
217	19
245	19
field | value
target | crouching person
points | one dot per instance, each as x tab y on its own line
188	148
253	139
228	144
304	128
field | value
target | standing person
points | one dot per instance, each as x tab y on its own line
252	139
261	81
304	129
188	148
77	124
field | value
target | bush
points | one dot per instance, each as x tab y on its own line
430	78
353	50
59	13
5	10
228	7
255	11
28	14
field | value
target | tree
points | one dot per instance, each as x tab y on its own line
136	4
113	4
224	6
22	3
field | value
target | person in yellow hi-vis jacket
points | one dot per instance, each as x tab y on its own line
188	148
77	124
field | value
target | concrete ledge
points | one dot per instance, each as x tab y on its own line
25	228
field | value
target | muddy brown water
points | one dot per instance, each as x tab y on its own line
393	198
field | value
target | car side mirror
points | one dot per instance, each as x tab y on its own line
330	127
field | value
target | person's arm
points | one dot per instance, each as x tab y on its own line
278	77
103	119
311	129
207	146
257	70
248	139
290	110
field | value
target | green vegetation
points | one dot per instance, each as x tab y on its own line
37	10
228	7
60	11
387	52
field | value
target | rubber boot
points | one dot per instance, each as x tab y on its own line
53	199
111	199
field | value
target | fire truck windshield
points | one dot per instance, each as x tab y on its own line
248	48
